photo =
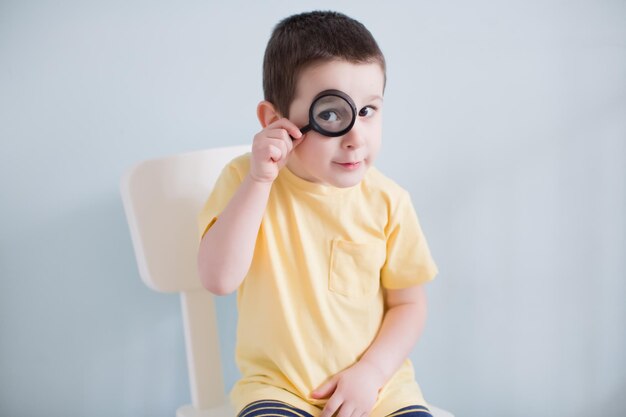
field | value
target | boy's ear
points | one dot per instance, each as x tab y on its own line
267	113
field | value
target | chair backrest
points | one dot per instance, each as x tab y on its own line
162	198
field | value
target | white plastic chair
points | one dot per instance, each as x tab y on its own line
162	198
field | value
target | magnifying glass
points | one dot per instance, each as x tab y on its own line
332	113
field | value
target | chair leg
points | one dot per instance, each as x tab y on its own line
203	357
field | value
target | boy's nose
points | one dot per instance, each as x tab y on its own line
354	138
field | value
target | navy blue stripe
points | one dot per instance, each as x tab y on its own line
272	407
412	411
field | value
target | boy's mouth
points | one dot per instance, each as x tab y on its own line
349	165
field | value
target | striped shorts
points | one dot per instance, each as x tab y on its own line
272	408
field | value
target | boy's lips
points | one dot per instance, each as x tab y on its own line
349	165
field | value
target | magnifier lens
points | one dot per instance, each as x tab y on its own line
332	114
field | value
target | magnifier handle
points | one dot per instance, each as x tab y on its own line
303	130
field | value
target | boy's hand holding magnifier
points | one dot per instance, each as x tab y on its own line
331	114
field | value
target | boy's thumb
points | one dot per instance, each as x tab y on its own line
325	390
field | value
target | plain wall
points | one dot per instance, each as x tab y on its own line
505	120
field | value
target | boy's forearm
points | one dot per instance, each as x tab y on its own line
401	328
226	249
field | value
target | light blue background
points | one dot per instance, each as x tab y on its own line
506	121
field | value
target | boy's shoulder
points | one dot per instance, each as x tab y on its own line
240	165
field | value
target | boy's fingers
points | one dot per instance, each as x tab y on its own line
272	139
275	153
282	136
331	407
325	390
283	145
286	140
286	124
346	411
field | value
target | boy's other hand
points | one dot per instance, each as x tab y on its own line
271	148
352	392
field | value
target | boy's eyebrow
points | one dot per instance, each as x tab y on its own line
374	97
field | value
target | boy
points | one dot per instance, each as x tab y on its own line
326	253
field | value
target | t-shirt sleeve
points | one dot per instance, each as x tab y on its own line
227	183
409	261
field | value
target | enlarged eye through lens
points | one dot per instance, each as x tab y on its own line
328	116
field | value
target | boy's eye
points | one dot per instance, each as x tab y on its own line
366	111
328	116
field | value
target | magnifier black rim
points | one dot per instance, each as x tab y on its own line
336	93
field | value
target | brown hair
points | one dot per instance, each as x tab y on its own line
303	39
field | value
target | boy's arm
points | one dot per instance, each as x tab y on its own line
355	389
226	249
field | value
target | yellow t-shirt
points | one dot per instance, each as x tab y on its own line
312	301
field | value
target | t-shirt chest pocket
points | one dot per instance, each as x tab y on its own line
355	267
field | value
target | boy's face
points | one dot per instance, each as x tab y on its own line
338	161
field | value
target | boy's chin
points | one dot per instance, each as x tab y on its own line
348	181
